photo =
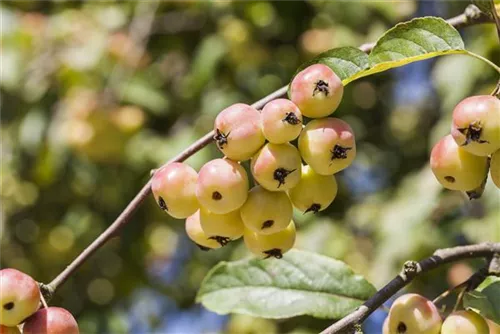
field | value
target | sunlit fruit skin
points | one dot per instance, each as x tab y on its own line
222	186
413	314
19	297
238	131
455	168
277	167
51	320
317	91
495	168
476	124
464	322
493	326
327	145
174	189
314	192
270	245
221	227
281	121
385	326
265	211
197	235
9	330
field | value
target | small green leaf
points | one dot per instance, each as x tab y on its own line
485	6
301	283
485	299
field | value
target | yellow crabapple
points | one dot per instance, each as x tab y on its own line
464	322
197	235
413	314
270	245
495	168
222	228
281	121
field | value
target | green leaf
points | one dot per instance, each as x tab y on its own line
485	6
485	299
301	283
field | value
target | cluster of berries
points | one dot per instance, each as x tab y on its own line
413	313
218	202
20	301
460	160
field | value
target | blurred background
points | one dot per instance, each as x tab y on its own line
96	94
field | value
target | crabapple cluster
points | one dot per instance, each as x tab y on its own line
218	203
413	313
20	305
460	160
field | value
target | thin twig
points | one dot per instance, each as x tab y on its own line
459	21
410	271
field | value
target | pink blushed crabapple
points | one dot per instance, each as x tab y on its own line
281	121
19	297
317	91
476	124
51	320
495	168
413	314
238	132
222	228
222	186
174	189
265	211
455	168
327	145
197	235
270	245
314	192
277	167
464	322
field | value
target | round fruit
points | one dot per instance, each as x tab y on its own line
455	168
238	132
464	322
221	227
385	326
413	314
267	245
317	91
51	320
197	235
19	297
277	167
314	192
281	121
493	326
327	145
9	330
222	186
495	168
265	211
476	124
174	189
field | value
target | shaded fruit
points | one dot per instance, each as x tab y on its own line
270	245
51	320
466	322
495	168
197	235
222	228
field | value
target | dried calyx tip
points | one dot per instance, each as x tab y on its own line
321	87
280	175
221	138
275	252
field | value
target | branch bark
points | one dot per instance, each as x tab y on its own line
411	269
465	19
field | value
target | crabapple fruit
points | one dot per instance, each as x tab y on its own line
495	168
314	192
51	320
412	313
265	211
277	166
174	189
281	121
267	245
385	326
455	168
476	124
327	145
222	186
19	297
222	228
493	326
197	235
317	91
238	131
464	322
9	330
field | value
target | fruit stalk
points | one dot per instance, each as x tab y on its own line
468	18
411	270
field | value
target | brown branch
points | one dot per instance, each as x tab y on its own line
410	270
126	215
